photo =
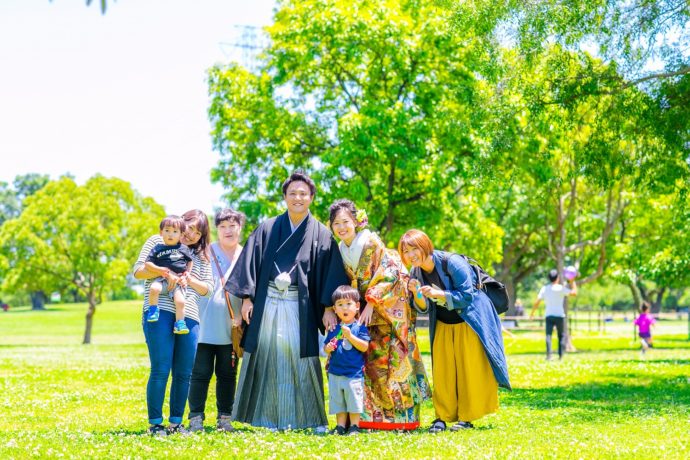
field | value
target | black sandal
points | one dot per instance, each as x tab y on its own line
437	426
461	426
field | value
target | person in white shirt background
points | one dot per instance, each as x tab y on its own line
553	295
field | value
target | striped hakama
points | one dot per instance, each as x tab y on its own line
277	388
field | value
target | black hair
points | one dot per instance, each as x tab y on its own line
553	275
345	292
174	222
230	215
338	205
644	308
299	176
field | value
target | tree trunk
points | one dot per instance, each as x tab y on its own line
510	289
637	296
38	300
89	318
656	305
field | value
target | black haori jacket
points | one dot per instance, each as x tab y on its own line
319	271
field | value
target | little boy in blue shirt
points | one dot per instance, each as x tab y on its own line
345	346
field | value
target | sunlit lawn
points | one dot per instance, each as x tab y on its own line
60	398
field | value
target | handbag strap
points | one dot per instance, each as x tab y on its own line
220	271
222	284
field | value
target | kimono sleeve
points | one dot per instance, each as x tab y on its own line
242	280
384	279
461	292
330	267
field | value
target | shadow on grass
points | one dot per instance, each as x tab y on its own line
582	350
144	432
208	429
24	310
675	362
633	394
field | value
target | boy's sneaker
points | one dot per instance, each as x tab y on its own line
196	424
152	314
180	327
224	424
339	430
353	430
157	430
177	429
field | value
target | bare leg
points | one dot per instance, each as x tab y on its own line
341	418
154	292
354	419
179	305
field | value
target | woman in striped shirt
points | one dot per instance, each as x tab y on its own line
167	351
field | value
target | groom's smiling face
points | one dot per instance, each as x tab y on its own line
298	197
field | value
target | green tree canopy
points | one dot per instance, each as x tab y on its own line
81	236
486	124
378	101
11	198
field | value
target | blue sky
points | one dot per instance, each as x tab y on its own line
121	94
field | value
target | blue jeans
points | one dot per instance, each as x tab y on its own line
169	352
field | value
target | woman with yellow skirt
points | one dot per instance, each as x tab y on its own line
468	358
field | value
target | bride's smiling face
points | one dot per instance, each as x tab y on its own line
343	226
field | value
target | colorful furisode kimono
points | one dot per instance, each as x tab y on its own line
395	379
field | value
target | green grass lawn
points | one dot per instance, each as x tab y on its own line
63	399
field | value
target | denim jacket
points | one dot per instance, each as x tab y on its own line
473	306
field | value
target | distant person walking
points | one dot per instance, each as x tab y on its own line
553	295
519	308
644	324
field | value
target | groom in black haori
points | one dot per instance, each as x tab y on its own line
285	275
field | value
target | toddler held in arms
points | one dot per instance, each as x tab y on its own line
170	256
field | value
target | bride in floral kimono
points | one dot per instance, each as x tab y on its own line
395	380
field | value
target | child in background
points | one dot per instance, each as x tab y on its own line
169	256
345	346
644	324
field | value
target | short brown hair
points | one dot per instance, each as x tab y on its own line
416	239
345	292
174	222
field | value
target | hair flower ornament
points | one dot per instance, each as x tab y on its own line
362	219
